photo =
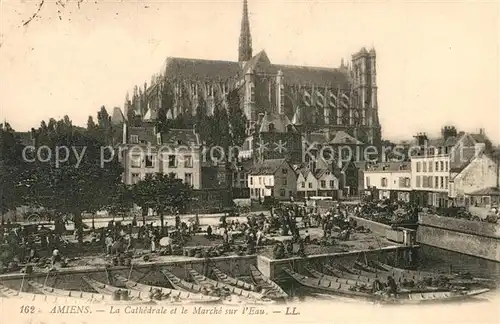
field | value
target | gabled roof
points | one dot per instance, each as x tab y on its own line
151	115
145	133
180	137
259	63
209	70
320	172
201	70
117	117
267	167
491	191
342	137
280	122
302	75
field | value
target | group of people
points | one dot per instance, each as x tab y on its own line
23	245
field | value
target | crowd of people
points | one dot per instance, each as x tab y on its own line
30	244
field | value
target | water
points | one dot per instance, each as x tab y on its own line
440	260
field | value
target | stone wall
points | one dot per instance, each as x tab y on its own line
273	268
461	225
450	239
71	278
377	228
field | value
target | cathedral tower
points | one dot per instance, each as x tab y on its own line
365	84
245	47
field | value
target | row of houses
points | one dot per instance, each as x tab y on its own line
455	169
452	171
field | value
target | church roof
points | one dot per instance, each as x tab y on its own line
209	70
303	75
280	122
201	70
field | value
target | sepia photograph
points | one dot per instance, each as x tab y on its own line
249	160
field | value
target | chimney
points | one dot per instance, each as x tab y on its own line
481	131
124	133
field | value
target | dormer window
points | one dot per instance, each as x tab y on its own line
179	142
289	128
134	139
271	127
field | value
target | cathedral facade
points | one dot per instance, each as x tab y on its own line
339	99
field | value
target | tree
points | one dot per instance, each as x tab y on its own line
11	166
237	118
220	133
161	192
80	181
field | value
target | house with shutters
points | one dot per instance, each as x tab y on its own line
389	180
316	183
272	179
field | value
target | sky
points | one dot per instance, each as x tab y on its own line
437	62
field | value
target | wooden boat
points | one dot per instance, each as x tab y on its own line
347	275
335	288
357	283
273	289
438	296
366	267
32	297
172	293
100	298
204	281
411	273
320	275
182	285
100	287
221	276
381	275
423	275
329	286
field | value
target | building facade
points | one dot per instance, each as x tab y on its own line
272	178
438	161
476	179
145	151
390	180
317	183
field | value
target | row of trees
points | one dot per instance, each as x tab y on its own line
66	174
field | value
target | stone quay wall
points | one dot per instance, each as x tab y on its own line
474	238
148	273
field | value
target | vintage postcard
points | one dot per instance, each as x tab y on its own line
249	161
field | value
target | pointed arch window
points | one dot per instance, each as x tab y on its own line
252	92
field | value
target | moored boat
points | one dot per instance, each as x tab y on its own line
329	286
221	276
272	288
347	275
381	295
99	298
204	281
182	285
33	297
167	292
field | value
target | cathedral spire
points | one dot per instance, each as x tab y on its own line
245	47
